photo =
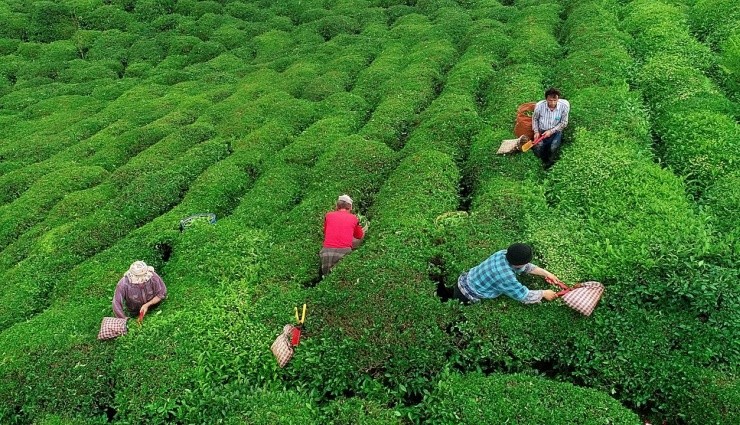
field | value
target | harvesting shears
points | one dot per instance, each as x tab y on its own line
296	335
564	288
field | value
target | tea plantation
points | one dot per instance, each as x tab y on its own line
119	118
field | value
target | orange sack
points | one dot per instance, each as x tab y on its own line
523	126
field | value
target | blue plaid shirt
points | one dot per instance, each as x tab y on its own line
495	276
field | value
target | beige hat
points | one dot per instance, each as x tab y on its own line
345	198
139	272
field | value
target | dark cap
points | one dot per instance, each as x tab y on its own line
518	254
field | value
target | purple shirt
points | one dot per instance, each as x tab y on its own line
136	296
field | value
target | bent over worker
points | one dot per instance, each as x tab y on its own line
549	119
139	289
497	276
342	233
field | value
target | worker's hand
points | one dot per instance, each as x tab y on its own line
536	136
364	228
551	277
549	295
547	133
142	312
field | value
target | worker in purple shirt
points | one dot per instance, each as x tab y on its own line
549	119
496	276
139	289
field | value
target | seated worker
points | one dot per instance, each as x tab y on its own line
139	289
342	233
550	117
497	275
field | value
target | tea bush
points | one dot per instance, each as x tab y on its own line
107	17
470	76
385	65
534	28
313	141
722	198
668	80
78	240
277	190
201	314
475	398
495	221
270	406
488	37
614	108
671	230
405	95
714	21
682	255
16	182
698	146
298	75
49	21
412	28
53	419
406	345
455	22
449	124
349	165
357	410
672	81
37	200
44	356
483	162
15	24
263	113
271	45
95	279
730	65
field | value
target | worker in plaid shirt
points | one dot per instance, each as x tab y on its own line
497	275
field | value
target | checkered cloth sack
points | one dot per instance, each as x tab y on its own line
583	297
112	327
281	348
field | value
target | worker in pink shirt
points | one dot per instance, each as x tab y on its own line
139	289
342	233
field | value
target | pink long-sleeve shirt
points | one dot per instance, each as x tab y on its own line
339	229
135	296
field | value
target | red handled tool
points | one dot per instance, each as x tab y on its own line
141	317
565	288
295	338
527	146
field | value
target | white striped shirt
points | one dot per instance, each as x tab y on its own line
544	119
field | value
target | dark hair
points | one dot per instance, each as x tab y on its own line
341	205
552	91
518	254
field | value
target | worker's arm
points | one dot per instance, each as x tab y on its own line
535	296
535	121
539	271
359	231
159	289
118	302
563	120
144	308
